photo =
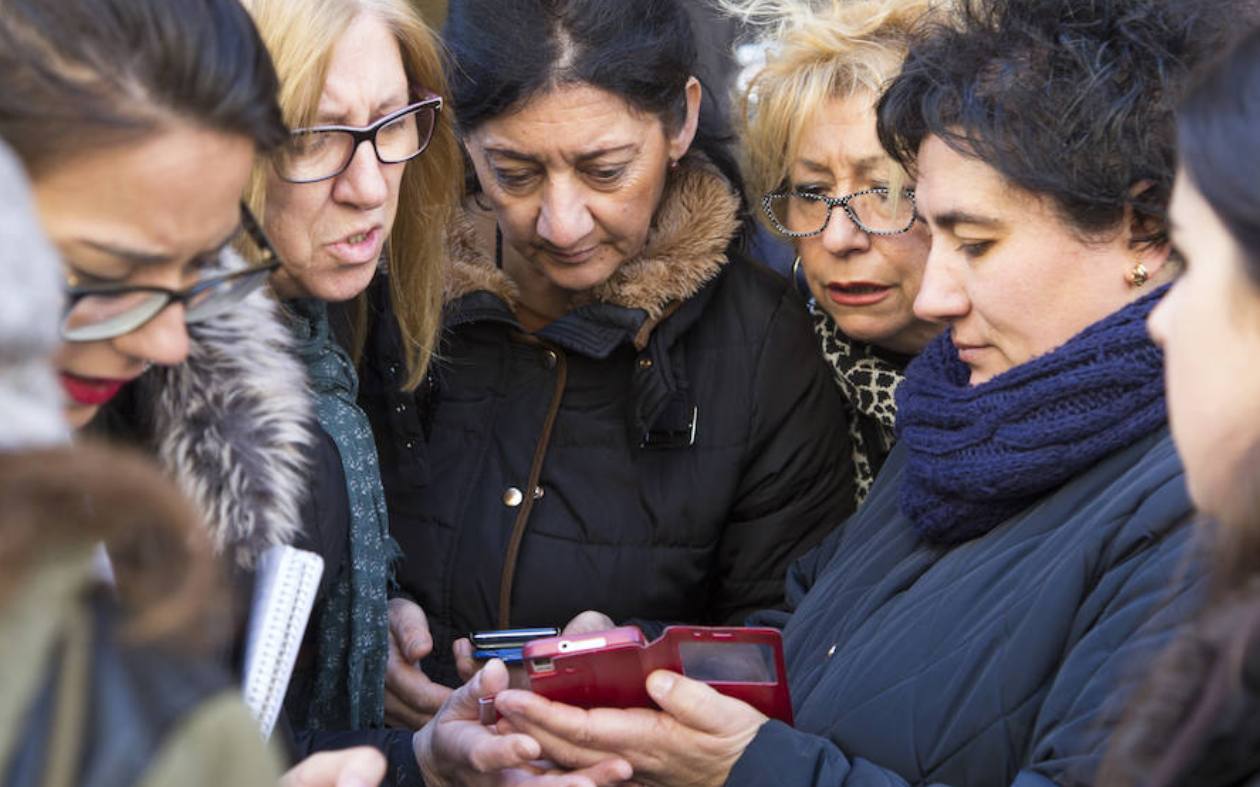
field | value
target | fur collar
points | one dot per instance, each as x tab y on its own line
233	425
686	248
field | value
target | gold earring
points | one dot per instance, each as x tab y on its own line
1137	275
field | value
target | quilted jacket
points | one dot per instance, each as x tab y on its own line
997	661
664	451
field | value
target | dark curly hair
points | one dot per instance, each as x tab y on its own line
1070	99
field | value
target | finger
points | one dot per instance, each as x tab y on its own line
399	714
571	736
465	664
361	766
588	621
698	705
609	772
411	688
409	626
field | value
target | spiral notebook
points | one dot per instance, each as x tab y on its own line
285	587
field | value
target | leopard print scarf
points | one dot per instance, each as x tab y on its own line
867	381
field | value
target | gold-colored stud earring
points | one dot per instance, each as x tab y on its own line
1137	275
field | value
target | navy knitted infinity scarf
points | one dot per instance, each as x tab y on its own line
980	454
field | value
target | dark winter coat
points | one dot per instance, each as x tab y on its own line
664	450
986	663
234	426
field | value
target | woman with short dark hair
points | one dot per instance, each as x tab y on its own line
625	411
1028	542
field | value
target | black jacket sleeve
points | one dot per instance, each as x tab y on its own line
798	483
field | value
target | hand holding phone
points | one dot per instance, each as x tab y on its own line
610	668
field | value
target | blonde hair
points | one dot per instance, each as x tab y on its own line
817	51
300	35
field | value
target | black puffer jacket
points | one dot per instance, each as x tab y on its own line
664	450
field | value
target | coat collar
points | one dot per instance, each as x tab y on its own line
686	248
233	425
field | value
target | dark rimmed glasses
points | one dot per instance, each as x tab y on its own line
322	152
98	312
877	211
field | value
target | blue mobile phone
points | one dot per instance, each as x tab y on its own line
506	644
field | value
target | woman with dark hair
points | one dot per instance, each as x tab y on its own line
1193	722
626	411
139	154
1028	542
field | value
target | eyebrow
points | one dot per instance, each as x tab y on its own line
379	111
583	157
862	165
139	257
948	221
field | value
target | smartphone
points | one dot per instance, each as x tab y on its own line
506	644
609	669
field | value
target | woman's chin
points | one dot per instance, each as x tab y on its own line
80	415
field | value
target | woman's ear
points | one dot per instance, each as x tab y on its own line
680	142
1156	258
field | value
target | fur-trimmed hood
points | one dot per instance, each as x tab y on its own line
686	248
233	424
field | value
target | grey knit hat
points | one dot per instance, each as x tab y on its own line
31	414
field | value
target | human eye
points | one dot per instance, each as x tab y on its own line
810	189
606	174
975	249
513	178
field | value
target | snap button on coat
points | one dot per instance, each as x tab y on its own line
513	497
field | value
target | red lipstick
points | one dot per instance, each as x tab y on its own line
90	391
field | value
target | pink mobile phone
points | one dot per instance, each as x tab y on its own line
608	669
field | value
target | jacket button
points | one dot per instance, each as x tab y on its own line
400	409
512	497
409	445
538	493
645	363
550	359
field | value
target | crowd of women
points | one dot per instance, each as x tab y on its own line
475	318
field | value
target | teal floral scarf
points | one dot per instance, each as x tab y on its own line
353	631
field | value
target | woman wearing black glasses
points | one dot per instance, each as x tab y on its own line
138	122
364	185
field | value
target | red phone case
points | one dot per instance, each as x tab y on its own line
608	669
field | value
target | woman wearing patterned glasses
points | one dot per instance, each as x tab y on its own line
808	120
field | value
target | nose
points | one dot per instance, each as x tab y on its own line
842	237
363	183
941	298
1158	323
162	340
564	218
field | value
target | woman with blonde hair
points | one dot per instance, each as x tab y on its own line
340	213
810	152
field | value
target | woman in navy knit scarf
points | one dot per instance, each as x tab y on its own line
1028	542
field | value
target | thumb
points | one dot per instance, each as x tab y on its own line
697	705
492	679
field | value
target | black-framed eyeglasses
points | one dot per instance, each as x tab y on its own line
321	152
877	211
98	312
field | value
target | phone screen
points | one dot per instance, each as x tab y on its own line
728	662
